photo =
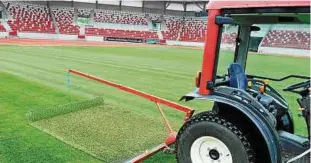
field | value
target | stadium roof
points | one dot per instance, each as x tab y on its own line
180	5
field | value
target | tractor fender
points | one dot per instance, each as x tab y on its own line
266	129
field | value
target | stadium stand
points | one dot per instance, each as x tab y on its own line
229	38
120	17
287	39
173	24
84	12
64	19
30	18
193	30
154	17
6	4
120	33
2	29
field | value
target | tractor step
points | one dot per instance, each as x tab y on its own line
293	146
287	155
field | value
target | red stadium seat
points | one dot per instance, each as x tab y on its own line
30	18
64	19
2	29
229	38
120	17
81	36
287	39
193	30
13	33
173	25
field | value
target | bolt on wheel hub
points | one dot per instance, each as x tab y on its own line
207	149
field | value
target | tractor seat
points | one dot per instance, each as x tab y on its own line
237	77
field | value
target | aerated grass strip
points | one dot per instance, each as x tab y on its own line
107	132
39	114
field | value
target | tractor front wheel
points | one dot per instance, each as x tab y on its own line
208	138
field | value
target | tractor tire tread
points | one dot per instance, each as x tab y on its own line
212	116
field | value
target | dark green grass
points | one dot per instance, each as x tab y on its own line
20	142
166	72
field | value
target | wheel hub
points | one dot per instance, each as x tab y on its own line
214	154
208	149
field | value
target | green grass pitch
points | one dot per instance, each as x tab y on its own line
35	77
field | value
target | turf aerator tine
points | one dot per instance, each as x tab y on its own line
157	100
164	118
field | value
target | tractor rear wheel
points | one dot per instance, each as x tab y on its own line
208	138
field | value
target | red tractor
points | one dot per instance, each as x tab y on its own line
250	121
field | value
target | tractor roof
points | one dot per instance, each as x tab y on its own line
230	4
264	12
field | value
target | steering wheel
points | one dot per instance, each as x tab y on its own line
305	84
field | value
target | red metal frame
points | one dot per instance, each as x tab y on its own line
208	65
157	100
222	4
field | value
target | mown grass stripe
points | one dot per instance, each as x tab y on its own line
104	59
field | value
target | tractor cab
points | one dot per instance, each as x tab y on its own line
250	120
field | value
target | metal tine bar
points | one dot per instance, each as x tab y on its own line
168	125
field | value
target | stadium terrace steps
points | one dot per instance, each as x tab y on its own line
120	17
30	18
2	29
173	24
287	39
64	20
6	26
229	38
193	30
54	21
